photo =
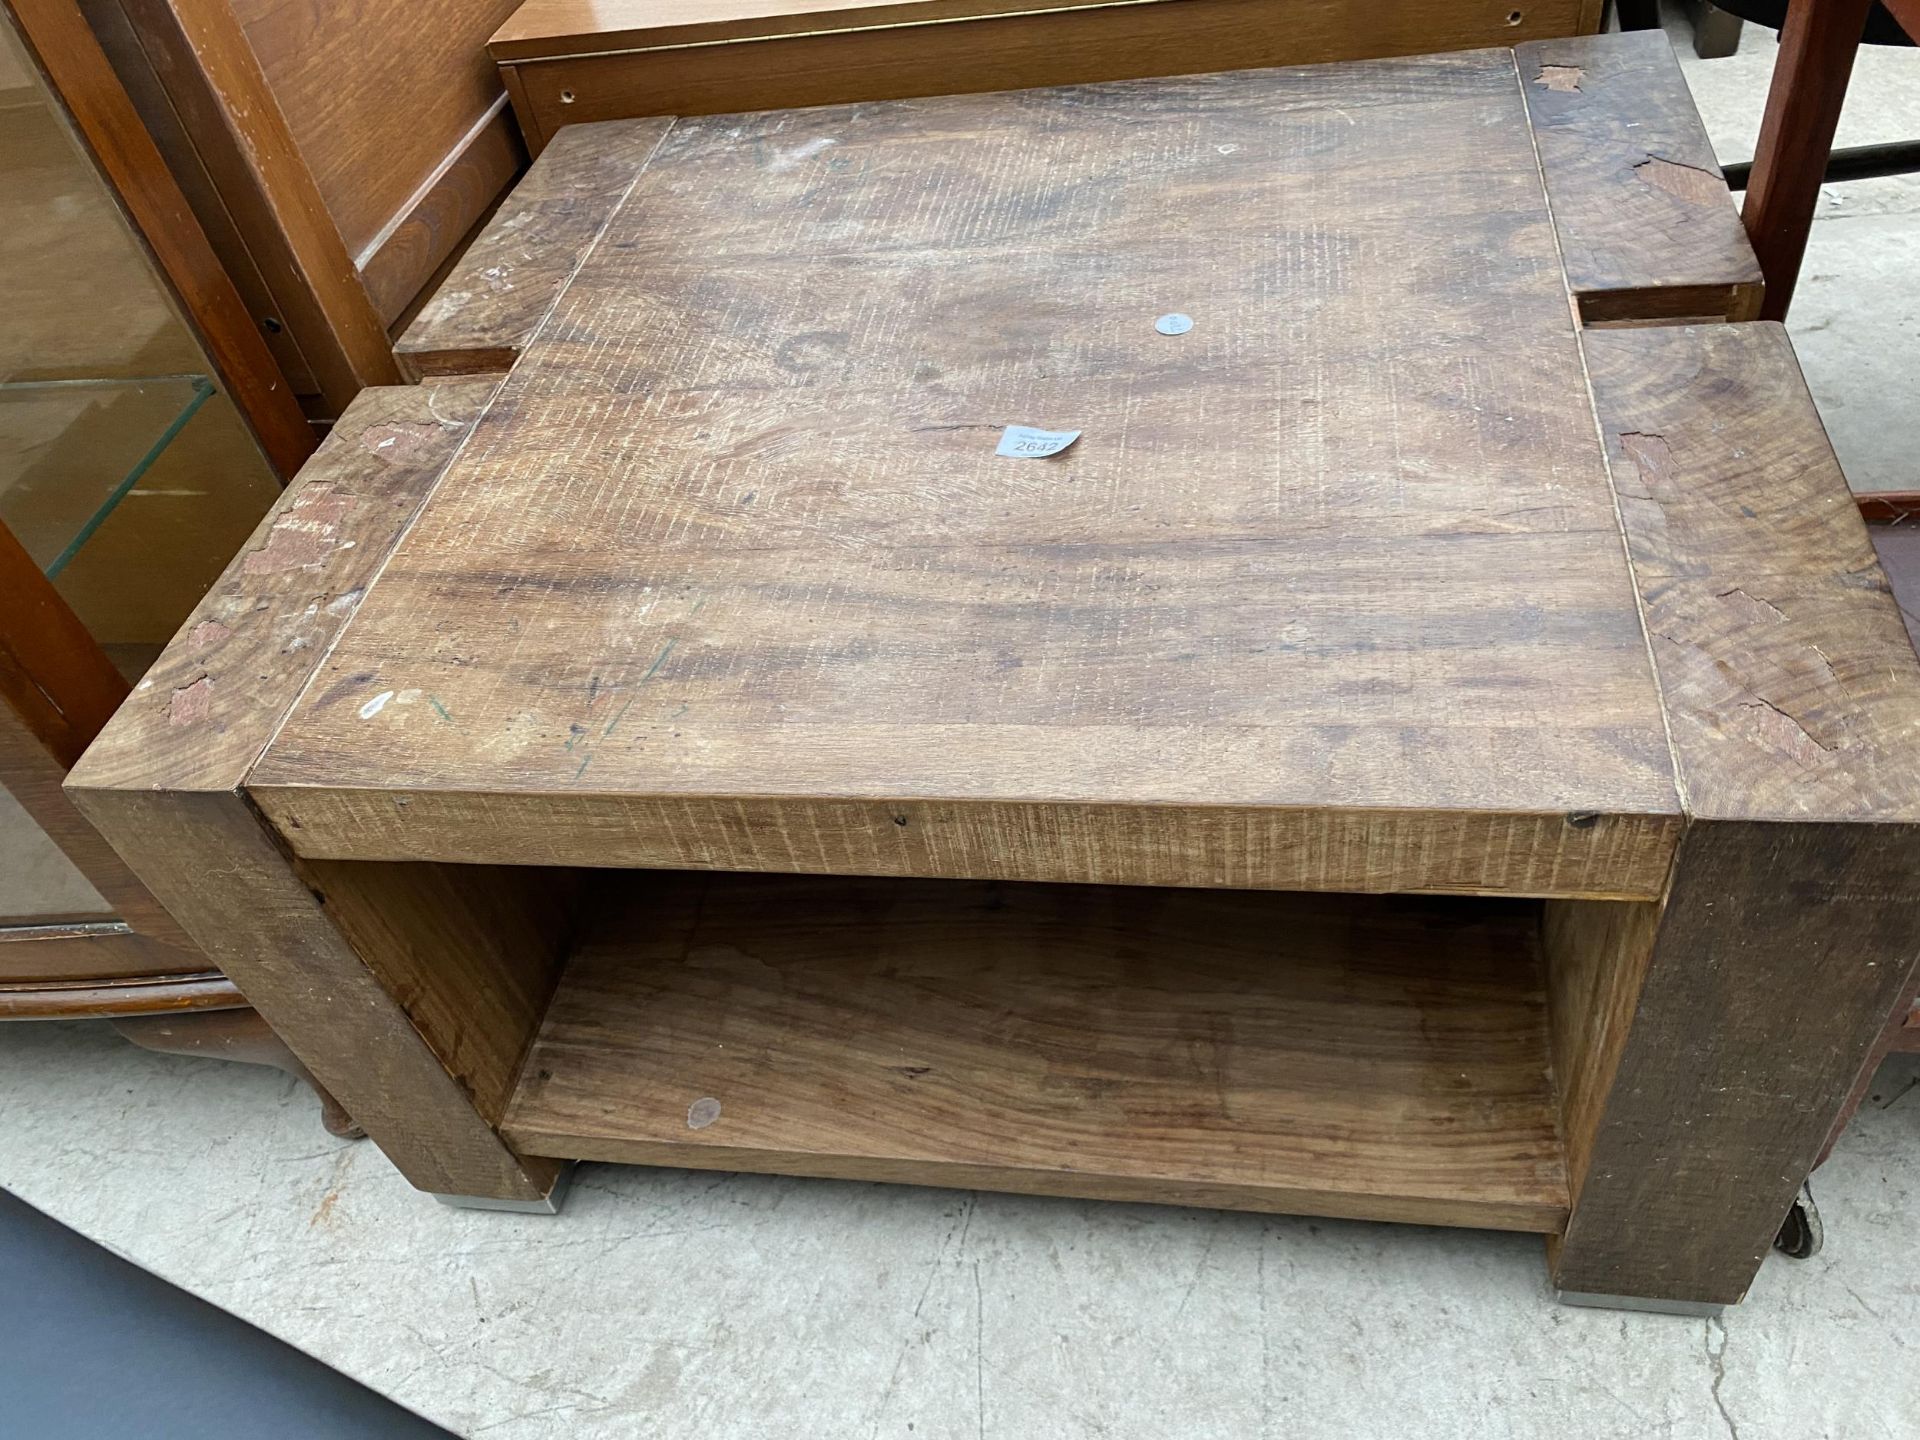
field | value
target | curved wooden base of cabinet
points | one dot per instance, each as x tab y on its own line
111	999
233	1035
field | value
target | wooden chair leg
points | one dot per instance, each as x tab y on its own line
1716	32
233	1035
1817	46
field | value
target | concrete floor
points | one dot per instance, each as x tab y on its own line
669	1303
1855	319
684	1304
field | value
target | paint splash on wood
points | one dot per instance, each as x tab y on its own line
1652	457
1563	78
207	634
1779	731
191	704
304	535
1684	182
397	441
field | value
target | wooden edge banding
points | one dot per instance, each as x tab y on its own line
497	294
163	784
1704	1046
1070	1183
1366	851
576	79
536	32
403	258
523	111
1648	230
1791	689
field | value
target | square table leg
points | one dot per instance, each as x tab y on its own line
1704	1042
410	991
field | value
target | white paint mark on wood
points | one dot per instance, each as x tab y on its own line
800	154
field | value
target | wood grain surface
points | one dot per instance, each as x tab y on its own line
1381	1059
538	29
730	573
310	947
377	96
1790	683
207	707
214	82
1818	41
55	680
487	308
1760	989
1778	958
423	234
1044	45
1647	227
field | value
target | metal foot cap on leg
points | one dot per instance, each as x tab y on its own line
548	1204
1698	1309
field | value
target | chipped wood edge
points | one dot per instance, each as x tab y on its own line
1736	297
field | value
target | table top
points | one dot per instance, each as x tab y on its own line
1332	591
736	525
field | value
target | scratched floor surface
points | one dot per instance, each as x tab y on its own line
678	1304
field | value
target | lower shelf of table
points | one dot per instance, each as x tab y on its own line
1360	1056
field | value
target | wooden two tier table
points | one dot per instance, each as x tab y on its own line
1437	747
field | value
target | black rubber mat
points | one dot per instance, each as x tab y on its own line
92	1346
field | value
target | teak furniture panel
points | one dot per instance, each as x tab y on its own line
1645	256
399	989
1326	1055
567	62
494	298
1648	229
335	156
1386	576
1749	999
106	121
1314	602
380	97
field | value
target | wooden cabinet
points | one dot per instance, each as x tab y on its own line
335	154
137	421
569	62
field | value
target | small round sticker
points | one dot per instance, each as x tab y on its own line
1174	324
